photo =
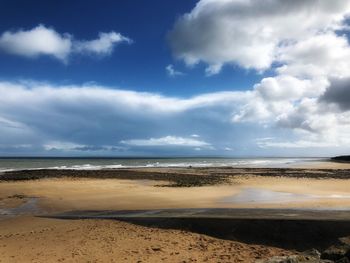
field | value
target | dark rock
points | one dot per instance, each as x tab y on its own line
312	253
335	252
295	259
344	241
348	254
339	250
17	196
343	260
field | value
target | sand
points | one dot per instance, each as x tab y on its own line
324	165
27	238
57	195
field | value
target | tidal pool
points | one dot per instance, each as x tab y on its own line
28	207
255	195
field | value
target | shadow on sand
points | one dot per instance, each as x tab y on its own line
298	235
288	229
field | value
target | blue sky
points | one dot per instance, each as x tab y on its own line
174	78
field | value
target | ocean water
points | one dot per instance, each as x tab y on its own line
11	164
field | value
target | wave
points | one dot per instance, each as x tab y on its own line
70	164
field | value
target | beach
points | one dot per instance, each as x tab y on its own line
175	131
50	215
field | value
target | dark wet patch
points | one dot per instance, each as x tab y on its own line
227	213
29	207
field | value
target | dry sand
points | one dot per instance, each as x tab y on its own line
28	239
323	165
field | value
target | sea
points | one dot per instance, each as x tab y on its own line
13	164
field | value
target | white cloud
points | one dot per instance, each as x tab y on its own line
167	141
284	87
10	124
326	54
172	72
213	69
295	144
252	33
67	146
42	40
36	42
60	145
88	117
42	94
104	45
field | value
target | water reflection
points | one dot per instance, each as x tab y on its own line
255	195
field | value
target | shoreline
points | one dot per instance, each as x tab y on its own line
18	164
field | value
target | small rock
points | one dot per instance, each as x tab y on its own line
17	196
156	248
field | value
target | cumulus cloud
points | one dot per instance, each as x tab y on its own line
338	93
35	42
316	110
252	33
324	54
42	40
308	92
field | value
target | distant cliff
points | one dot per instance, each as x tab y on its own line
342	158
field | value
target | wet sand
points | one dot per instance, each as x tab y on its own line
25	194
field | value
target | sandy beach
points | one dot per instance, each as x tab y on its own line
27	239
25	195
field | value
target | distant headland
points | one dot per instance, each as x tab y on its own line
341	158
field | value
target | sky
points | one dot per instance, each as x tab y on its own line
175	78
